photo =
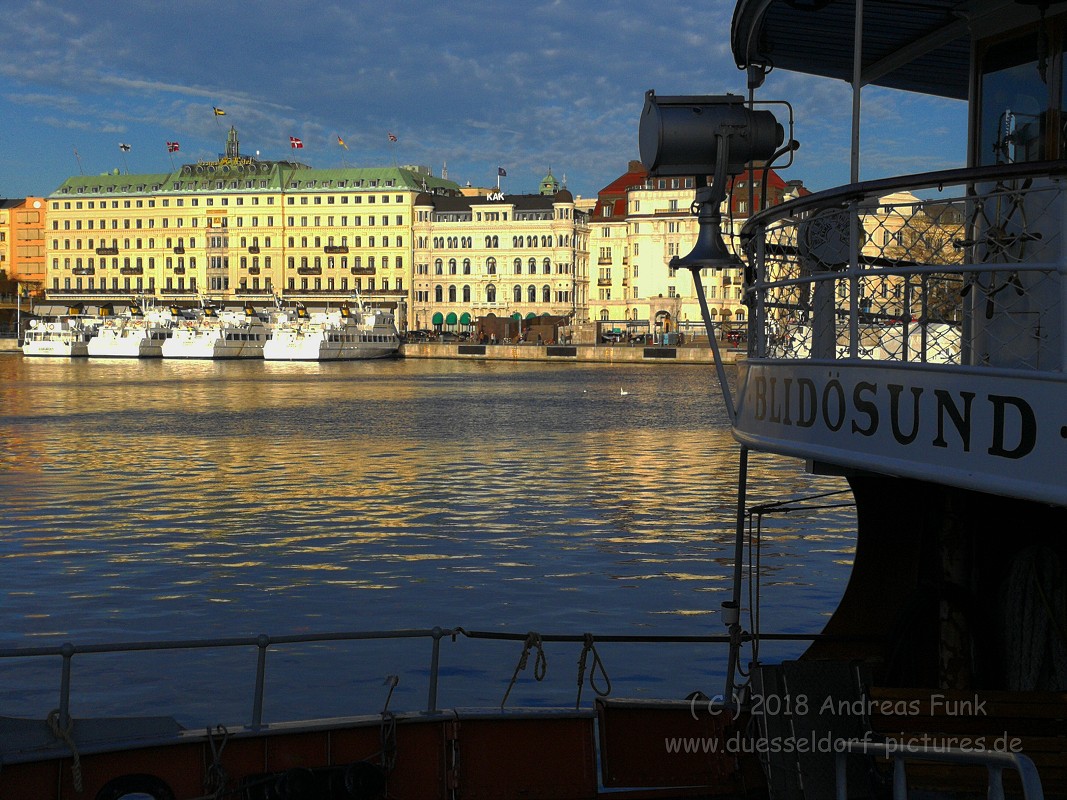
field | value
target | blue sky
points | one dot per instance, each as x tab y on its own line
474	85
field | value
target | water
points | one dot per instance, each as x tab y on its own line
167	500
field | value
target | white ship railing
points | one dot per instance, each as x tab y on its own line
995	764
963	267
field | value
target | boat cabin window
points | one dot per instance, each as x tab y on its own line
1019	113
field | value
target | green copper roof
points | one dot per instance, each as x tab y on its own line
249	175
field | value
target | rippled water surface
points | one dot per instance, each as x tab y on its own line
160	500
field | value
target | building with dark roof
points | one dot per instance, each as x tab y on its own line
519	256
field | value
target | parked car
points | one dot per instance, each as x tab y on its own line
609	337
448	336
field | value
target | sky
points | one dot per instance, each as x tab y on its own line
469	85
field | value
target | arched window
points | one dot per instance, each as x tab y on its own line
531	293
490	265
438	267
466	294
518	294
490	293
466	266
439	293
518	266
451	266
546	293
546	266
533	265
604	315
451	294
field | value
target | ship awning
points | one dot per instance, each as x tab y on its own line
923	47
451	318
465	318
438	319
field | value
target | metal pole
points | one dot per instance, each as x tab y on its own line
261	667
67	652
857	71
435	665
739	554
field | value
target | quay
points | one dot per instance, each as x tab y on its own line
622	353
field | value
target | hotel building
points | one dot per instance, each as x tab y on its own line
237	230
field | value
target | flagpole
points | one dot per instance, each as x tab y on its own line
78	158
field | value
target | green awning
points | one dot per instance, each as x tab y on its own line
464	318
516	316
531	315
451	318
438	318
546	314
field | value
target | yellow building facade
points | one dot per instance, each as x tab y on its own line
521	256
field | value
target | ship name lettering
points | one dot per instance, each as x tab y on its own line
803	403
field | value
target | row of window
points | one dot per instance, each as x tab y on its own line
464	294
316	199
223	222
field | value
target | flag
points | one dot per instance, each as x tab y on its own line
218	111
341	142
392	137
295	143
125	148
173	147
501	172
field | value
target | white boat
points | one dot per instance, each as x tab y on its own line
345	334
63	336
215	334
139	333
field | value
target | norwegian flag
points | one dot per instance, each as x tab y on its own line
173	147
295	143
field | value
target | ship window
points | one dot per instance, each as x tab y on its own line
1014	103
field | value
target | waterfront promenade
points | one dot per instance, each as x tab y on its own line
584	353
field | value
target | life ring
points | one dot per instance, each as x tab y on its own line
51	326
148	785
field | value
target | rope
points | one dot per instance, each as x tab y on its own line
216	778
587	648
64	734
533	641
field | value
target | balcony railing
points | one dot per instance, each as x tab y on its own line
971	276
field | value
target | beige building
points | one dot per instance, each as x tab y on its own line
509	255
639	225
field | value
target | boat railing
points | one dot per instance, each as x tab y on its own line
900	753
263	644
962	267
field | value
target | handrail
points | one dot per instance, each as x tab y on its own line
994	762
263	642
842	195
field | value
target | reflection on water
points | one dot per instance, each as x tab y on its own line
164	500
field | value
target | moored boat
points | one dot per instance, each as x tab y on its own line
62	336
218	334
139	333
344	334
